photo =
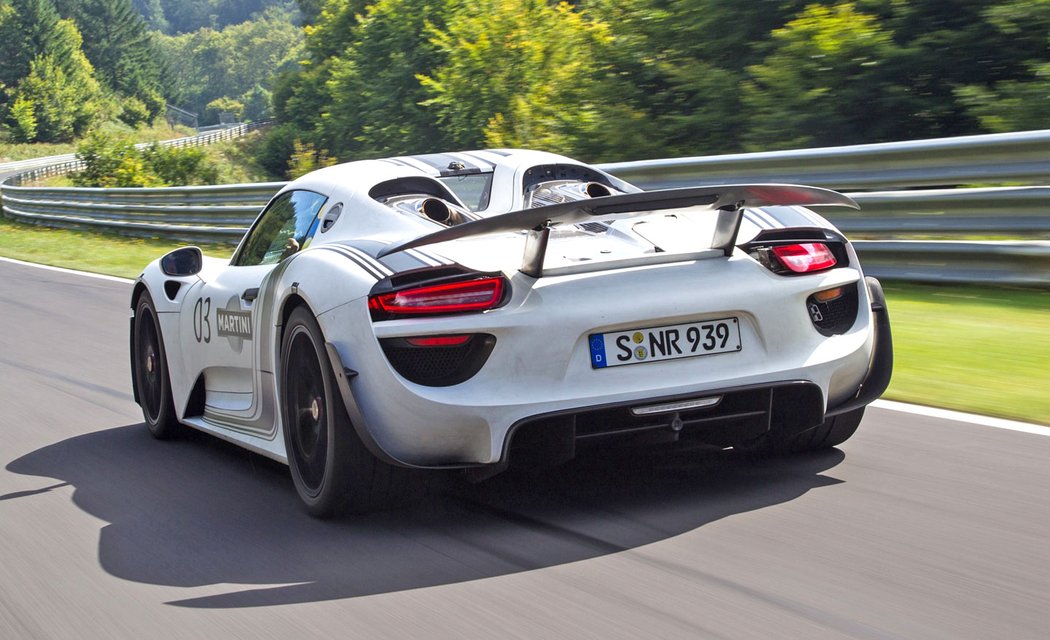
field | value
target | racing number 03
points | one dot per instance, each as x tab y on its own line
201	323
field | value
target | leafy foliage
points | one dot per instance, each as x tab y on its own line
120	48
184	16
116	162
825	77
505	82
59	97
305	158
236	63
112	162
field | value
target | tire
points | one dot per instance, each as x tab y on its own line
151	371
830	433
333	472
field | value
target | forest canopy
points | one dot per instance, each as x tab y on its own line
598	79
630	79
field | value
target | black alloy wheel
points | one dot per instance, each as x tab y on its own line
307	411
329	466
151	371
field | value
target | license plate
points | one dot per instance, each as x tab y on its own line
675	341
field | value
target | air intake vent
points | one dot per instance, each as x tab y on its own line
593	227
832	314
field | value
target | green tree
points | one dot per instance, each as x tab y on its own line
120	48
828	81
207	64
376	97
1021	102
115	162
22	119
30	29
256	103
505	82
63	96
223	105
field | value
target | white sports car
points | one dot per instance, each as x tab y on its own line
478	309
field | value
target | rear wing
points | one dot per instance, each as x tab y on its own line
725	200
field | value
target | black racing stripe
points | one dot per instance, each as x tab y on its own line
433	256
376	264
756	219
486	165
445	164
416	164
355	259
403	261
499	152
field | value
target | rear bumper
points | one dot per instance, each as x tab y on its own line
880	370
544	376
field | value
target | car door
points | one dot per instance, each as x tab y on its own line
224	319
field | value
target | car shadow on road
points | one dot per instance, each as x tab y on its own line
198	512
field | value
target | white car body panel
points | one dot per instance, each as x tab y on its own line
541	362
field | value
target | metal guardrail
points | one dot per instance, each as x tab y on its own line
1014	263
222	213
194	214
1002	158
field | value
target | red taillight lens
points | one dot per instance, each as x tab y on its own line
805	258
454	297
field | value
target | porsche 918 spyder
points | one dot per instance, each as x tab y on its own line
478	309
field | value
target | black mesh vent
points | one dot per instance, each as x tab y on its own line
741	415
835	316
441	366
593	227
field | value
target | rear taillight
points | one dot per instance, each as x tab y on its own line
451	297
805	257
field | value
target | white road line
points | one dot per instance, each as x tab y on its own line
86	274
958	416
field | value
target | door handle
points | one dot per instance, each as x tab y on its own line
250	294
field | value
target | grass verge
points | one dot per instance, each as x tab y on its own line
979	349
87	250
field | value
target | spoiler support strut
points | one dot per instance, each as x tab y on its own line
535	250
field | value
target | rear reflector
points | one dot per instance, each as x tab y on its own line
805	258
454	297
437	341
829	295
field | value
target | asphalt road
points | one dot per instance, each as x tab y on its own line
916	528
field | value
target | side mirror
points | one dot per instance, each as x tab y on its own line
186	261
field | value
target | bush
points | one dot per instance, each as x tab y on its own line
112	162
213	112
115	162
305	158
277	148
180	166
134	112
